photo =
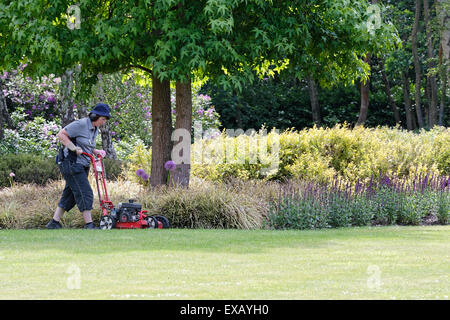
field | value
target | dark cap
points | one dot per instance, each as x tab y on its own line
102	110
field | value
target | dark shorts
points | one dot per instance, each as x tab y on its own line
77	190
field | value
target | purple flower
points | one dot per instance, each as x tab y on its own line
170	165
51	99
209	112
145	176
140	173
205	97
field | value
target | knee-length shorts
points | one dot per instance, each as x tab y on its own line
77	190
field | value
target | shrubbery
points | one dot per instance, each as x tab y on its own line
319	154
37	169
385	202
242	204
27	168
329	178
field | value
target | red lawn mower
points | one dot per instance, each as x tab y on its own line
128	215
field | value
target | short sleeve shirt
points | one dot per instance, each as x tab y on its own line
85	134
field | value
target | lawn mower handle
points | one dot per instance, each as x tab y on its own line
97	164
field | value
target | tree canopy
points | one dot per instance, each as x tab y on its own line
225	39
229	41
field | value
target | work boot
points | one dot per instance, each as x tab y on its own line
90	225
53	224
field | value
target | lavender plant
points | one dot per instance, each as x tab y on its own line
383	201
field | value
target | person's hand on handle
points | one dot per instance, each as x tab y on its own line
79	151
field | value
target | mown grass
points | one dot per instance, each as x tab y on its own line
350	263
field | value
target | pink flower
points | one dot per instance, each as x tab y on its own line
12	174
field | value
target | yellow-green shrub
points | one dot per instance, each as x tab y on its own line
141	158
317	154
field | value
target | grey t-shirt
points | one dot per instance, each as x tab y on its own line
85	134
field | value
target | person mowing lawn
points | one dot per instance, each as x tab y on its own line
78	137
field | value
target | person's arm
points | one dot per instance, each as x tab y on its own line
65	140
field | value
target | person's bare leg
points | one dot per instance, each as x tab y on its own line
58	214
87	216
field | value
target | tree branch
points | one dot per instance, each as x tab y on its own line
137	67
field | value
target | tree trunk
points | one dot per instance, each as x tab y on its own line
313	97
4	114
417	65
107	143
444	19
431	78
443	12
82	110
162	130
406	96
181	153
387	88
444	78
66	86
365	90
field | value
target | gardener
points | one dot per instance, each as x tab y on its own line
78	137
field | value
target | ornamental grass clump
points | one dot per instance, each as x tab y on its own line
208	206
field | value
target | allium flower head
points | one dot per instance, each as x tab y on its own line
170	165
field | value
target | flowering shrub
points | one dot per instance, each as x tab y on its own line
36	97
203	112
383	202
131	104
36	136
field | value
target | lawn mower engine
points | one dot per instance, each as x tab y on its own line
127	212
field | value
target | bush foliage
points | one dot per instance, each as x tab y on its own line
321	154
36	169
243	204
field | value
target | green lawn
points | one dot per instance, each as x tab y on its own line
354	263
